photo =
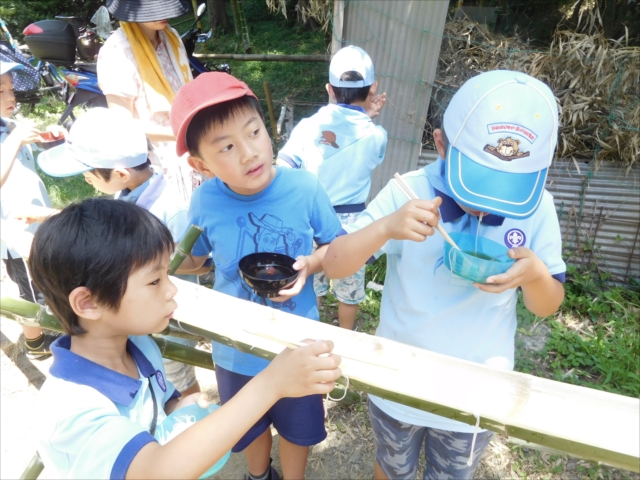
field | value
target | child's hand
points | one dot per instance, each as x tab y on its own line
414	220
57	131
302	266
376	105
201	398
305	370
528	268
25	133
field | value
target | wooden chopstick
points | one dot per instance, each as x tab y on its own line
291	344
411	195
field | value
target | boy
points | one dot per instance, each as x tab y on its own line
103	269
22	196
342	146
247	206
479	188
111	150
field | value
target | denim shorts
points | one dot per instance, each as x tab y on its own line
349	290
298	420
398	447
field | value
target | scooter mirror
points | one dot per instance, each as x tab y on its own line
201	9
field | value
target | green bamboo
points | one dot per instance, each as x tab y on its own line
34	469
183	353
264	57
236	16
183	250
244	29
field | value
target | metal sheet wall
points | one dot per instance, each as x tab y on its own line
599	214
403	39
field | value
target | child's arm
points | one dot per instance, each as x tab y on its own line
413	221
293	373
22	135
542	293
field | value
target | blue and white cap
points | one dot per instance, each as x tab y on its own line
502	128
6	67
100	138
351	59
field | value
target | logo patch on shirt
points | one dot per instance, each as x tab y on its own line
329	138
508	149
515	238
160	380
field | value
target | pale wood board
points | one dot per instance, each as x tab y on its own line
588	423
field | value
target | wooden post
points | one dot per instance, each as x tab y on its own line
272	115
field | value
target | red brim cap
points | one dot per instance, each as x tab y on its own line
207	89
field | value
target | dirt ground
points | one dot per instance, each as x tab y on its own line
346	453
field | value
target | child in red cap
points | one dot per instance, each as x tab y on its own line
249	205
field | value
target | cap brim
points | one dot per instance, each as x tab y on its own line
7	67
513	195
59	162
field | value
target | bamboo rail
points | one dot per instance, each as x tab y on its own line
263	57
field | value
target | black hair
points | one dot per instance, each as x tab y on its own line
105	173
349	95
94	244
217	114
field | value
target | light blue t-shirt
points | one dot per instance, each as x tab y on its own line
94	420
425	305
340	145
286	217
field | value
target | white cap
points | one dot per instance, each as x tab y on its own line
351	59
101	138
502	128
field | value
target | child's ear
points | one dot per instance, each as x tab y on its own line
373	89
198	164
121	174
330	92
438	139
83	305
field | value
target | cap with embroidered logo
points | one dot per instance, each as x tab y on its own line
100	138
206	90
351	59
502	128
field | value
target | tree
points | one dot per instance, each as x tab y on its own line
218	17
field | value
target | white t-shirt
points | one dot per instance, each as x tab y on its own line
424	305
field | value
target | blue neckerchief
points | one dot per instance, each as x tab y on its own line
357	108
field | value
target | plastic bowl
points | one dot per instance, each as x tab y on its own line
491	257
188	415
267	273
47	140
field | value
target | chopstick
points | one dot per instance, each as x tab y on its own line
411	195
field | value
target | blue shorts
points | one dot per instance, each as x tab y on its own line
298	420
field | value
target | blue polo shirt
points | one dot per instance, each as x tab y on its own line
425	305
342	146
94	420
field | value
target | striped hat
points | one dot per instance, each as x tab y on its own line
146	10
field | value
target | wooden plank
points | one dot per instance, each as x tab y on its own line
588	423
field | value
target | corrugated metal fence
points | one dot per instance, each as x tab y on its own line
599	214
403	39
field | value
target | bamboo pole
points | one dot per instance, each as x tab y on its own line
183	250
236	17
263	57
34	469
584	422
244	29
194	3
272	115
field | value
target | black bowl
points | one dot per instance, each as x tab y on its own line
267	273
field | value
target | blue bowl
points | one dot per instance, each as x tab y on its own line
190	414
491	257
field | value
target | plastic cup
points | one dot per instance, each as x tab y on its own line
188	415
476	265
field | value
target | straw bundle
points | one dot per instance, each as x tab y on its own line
318	10
596	82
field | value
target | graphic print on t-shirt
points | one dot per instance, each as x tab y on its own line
261	233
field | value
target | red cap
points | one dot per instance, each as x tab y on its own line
205	90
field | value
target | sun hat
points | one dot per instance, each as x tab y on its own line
100	138
146	10
205	90
351	59
6	67
502	128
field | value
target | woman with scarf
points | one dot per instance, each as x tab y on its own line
141	67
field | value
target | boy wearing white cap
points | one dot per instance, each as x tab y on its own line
22	197
499	138
111	150
342	146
